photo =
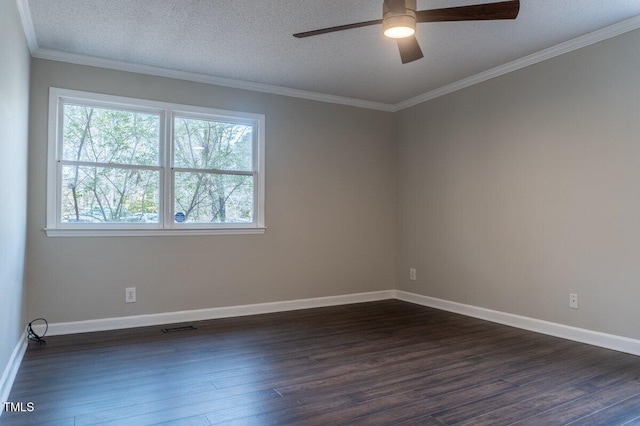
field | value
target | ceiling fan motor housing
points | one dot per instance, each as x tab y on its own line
398	19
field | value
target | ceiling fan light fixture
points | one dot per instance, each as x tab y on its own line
399	26
398	23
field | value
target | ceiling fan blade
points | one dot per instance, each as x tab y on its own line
476	12
338	28
409	49
395	6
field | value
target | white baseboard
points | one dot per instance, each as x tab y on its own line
11	369
609	341
207	314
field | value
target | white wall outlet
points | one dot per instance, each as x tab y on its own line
130	295
573	300
412	274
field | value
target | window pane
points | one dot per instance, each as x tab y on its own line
213	198
202	144
110	136
107	195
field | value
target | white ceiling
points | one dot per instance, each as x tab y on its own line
251	41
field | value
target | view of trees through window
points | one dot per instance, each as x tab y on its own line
112	168
202	150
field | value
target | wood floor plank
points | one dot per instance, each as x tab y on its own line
377	363
83	403
200	420
527	407
426	402
565	382
287	411
162	413
616	414
582	407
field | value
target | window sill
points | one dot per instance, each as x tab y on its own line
57	232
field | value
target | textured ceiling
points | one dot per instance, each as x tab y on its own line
251	40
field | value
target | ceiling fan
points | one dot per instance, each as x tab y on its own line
399	18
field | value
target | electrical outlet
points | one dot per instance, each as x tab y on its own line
573	300
412	274
130	295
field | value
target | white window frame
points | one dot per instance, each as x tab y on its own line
167	112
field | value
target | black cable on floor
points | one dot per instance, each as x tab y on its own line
33	336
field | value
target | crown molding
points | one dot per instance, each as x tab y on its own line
73	58
551	52
27	24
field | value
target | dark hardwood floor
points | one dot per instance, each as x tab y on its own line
380	363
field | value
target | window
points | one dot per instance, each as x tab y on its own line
121	166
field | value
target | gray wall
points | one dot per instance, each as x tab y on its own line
14	101
517	191
330	212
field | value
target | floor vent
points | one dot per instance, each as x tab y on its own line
176	329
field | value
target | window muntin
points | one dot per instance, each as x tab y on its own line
128	164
